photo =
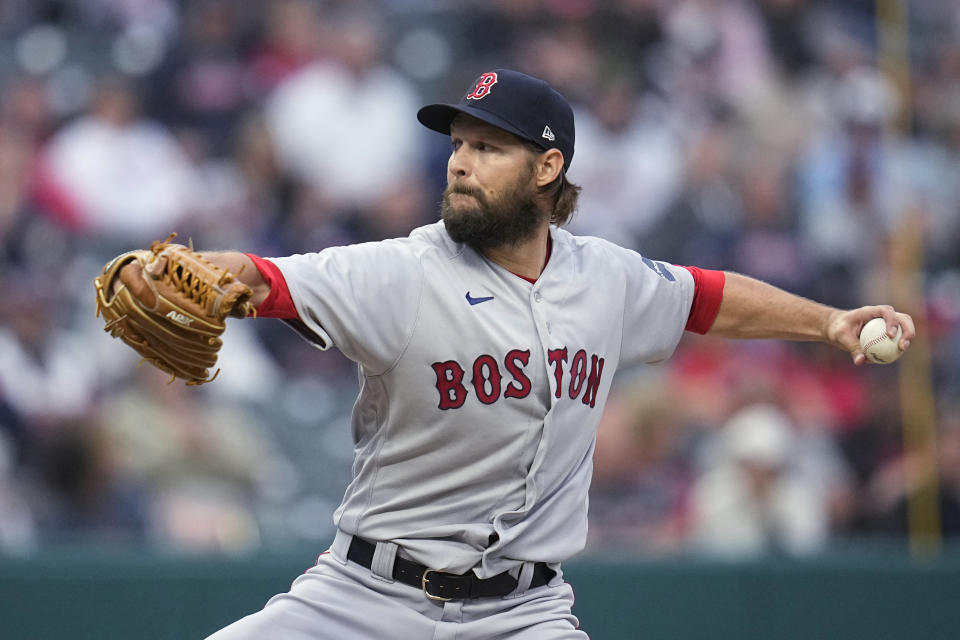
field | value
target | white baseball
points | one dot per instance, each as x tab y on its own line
877	346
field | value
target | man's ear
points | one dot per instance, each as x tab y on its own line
549	167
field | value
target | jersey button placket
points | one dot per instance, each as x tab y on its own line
538	297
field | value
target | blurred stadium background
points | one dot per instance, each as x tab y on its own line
814	144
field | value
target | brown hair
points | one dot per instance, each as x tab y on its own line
564	194
566	197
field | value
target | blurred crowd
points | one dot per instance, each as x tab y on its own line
798	141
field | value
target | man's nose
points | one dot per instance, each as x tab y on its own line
459	164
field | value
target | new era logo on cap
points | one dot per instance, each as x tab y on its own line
523	105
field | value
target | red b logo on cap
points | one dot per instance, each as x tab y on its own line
482	89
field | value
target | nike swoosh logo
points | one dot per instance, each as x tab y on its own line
474	301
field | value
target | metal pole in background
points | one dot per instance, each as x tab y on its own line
917	403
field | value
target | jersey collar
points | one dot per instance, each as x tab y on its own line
545	261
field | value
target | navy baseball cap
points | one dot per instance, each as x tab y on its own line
523	105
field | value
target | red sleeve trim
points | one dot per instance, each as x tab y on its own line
278	303
707	295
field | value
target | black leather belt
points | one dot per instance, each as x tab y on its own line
442	586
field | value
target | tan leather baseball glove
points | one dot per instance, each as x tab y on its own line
170	305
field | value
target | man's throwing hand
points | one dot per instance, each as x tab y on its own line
844	327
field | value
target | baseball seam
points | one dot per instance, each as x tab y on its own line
877	341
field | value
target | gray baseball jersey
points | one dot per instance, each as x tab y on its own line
481	392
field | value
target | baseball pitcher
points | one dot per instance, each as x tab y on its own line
486	344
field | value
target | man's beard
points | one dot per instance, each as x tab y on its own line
510	220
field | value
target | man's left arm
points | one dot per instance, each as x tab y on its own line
754	309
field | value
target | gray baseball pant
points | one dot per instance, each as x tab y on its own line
340	600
